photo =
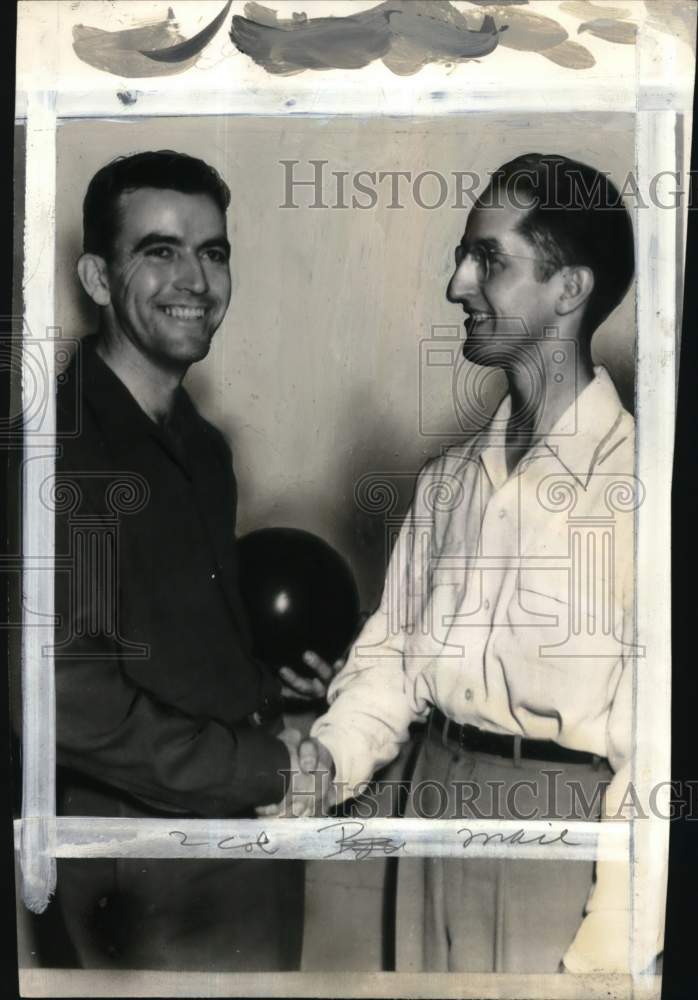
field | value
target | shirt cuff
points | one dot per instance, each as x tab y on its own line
262	766
348	772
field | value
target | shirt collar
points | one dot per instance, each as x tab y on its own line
581	437
121	417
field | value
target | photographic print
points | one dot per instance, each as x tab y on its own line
344	358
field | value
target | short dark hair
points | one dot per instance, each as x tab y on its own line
577	216
163	169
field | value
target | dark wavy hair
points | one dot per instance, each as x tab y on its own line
577	216
163	169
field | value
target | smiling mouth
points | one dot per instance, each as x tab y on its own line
184	312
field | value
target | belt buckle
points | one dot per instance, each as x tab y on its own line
444	732
462	738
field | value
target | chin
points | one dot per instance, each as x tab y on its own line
482	350
187	352
197	352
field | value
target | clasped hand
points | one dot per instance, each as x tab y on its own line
299	688
310	789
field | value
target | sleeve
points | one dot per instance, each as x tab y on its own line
604	940
111	729
377	694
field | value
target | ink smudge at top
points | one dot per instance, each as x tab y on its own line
586	10
406	35
620	32
290	46
192	46
128	97
571	55
527	32
419	37
154	48
676	18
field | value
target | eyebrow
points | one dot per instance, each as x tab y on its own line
486	242
152	238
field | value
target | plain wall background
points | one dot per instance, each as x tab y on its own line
314	377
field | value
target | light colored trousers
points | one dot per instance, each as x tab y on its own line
480	915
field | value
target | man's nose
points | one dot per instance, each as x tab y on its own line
465	281
191	274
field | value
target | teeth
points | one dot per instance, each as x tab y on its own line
185	312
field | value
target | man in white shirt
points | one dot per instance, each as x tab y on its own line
506	619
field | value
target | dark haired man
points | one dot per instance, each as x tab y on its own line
512	579
161	708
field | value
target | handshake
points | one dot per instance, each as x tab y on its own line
310	789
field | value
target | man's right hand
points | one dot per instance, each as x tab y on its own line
313	756
310	789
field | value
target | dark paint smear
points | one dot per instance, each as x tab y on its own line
127	96
571	55
122	52
408	34
529	32
194	45
321	44
585	9
620	32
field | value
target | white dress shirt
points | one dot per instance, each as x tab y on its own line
508	605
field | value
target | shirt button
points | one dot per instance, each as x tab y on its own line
468	694
486	605
213	576
502	513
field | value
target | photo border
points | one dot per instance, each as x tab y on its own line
662	144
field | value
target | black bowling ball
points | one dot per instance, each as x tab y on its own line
299	593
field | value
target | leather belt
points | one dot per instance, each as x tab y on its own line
467	737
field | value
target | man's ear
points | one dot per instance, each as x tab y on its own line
577	286
92	271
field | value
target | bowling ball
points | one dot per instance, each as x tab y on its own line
299	593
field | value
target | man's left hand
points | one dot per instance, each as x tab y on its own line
300	688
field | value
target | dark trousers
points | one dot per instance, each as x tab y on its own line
233	915
227	915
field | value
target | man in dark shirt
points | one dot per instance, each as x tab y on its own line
161	708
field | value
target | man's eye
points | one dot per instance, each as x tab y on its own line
161	253
216	255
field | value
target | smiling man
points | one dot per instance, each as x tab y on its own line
506	623
161	708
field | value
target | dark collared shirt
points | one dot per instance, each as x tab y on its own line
155	682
